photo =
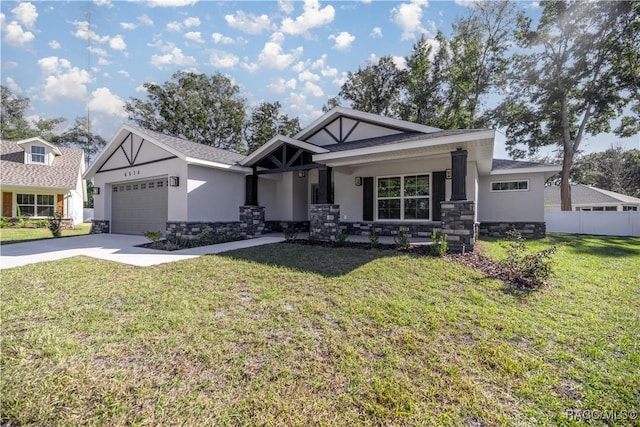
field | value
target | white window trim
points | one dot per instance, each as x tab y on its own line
402	197
36	205
32	154
509	191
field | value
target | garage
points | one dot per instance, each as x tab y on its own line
140	206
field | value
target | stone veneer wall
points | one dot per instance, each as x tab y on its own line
459	225
528	230
423	229
280	226
99	226
251	221
324	222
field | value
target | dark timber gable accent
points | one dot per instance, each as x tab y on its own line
286	158
131	154
344	134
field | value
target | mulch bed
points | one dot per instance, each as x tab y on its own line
489	267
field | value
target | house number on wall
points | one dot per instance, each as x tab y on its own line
132	173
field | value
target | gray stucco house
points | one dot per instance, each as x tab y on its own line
348	170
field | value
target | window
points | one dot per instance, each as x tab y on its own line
610	208
115	188
135	186
143	186
151	185
403	197
160	184
630	208
510	185
37	154
36	205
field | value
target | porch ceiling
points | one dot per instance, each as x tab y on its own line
480	150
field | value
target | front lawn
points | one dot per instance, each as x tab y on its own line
300	335
16	235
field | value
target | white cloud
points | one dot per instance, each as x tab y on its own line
248	23
408	16
221	59
339	81
103	62
170	3
174	26
467	3
286	6
343	41
191	22
128	25
83	32
299	67
307	75
325	70
141	88
9	65
175	57
98	51
106	3
313	89
219	38
54	44
26	14
13	86
124	73
298	102
400	62
272	55
145	20
280	85
62	79
312	17
117	43
14	35
103	101
195	36
376	32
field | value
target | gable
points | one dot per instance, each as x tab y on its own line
134	151
346	129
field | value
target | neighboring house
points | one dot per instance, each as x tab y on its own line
348	170
38	180
586	198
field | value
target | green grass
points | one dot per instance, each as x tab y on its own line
17	235
299	335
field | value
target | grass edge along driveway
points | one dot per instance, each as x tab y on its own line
298	335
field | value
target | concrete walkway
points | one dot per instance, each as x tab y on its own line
112	247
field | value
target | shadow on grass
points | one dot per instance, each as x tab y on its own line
324	261
603	246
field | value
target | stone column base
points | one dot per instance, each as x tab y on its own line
324	222
100	226
458	224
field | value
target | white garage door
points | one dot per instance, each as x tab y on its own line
139	206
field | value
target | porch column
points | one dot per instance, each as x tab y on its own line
251	190
325	178
459	174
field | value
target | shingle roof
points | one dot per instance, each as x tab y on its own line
192	149
584	195
62	173
501	164
396	138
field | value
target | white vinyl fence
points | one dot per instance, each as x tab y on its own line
585	222
87	214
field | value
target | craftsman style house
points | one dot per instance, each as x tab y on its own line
39	179
348	171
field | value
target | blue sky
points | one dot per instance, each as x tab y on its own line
70	56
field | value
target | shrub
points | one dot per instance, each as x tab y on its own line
342	238
55	225
290	234
402	240
374	237
440	245
523	267
153	236
4	222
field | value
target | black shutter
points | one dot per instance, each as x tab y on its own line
367	199
437	194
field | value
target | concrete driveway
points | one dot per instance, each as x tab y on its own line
112	247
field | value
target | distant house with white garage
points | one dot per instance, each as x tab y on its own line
587	198
39	179
348	171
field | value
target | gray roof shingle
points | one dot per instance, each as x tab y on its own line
62	173
584	195
502	164
192	149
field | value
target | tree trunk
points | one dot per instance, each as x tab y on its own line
565	185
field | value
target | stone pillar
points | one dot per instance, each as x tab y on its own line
459	225
251	221
99	226
324	222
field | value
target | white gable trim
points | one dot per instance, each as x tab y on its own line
336	112
38	140
275	143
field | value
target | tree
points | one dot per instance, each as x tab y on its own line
200	108
579	73
266	122
375	89
332	102
79	136
14	126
